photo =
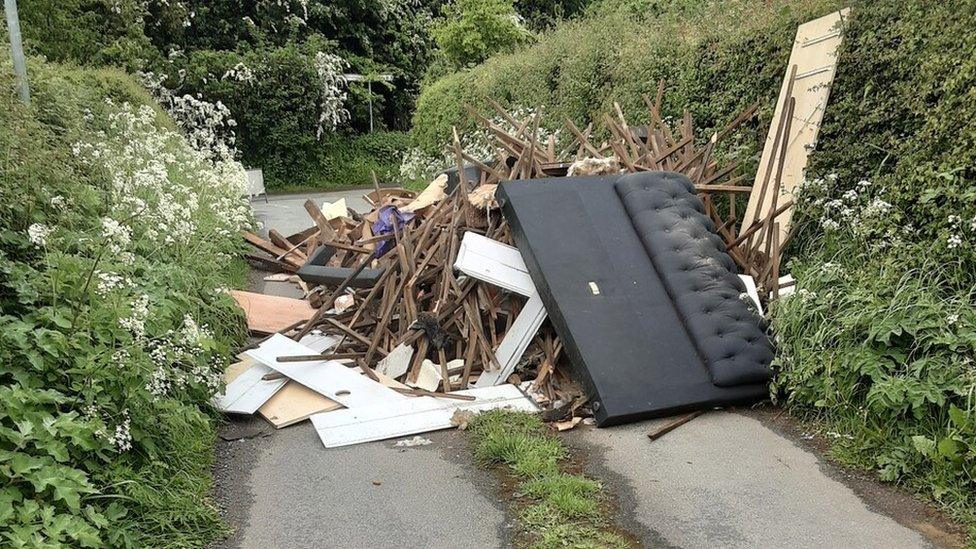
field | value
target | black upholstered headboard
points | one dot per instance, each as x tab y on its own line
698	274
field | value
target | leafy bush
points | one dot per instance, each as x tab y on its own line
880	342
116	239
715	57
473	30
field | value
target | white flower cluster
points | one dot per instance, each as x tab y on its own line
860	210
121	438
172	352
37	234
332	95
108	281
116	235
208	126
240	73
135	323
160	183
955	231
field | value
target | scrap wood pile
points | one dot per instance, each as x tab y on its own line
403	310
420	311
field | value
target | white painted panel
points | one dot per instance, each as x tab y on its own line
516	340
248	391
319	342
326	377
752	291
413	416
495	263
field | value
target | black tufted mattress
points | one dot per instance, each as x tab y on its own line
662	328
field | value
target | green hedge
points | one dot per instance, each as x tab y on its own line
881	345
116	239
715	57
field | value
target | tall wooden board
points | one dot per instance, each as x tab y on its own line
815	56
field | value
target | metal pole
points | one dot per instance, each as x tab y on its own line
369	87
17	50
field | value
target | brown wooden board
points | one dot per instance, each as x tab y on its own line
267	314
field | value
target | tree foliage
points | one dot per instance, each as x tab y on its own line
473	30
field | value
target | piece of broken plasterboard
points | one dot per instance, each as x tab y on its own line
326	377
412	416
397	362
429	376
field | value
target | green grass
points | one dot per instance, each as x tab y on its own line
561	509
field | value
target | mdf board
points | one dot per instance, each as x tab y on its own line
295	403
267	314
326	377
412	416
815	56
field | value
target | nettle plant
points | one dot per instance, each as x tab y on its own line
120	315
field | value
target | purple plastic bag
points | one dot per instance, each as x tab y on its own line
389	217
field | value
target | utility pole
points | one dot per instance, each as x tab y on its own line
17	50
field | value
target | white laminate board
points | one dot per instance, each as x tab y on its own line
493	262
516	340
326	377
752	291
248	391
412	416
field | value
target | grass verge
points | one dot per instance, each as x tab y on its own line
556	508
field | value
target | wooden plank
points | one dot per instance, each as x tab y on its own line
815	55
413	416
270	248
328	378
267	314
672	425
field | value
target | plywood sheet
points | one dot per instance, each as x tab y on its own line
267	314
412	416
815	56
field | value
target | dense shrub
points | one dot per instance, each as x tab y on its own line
473	30
881	343
715	57
117	238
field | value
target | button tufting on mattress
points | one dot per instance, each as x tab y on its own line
698	274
